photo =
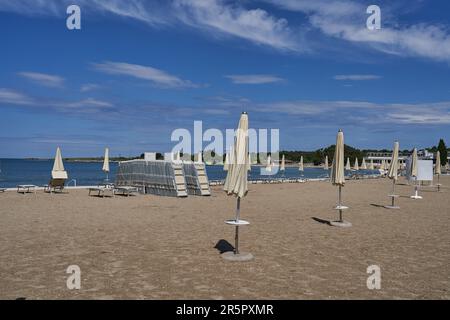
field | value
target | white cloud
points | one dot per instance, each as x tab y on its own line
156	76
89	87
43	79
346	20
9	96
214	17
255	25
253	78
356	77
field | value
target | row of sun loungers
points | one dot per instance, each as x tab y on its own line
103	190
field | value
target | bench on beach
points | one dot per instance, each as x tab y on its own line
125	191
26	188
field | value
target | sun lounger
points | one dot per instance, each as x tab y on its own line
2	189
26	188
126	191
101	191
55	185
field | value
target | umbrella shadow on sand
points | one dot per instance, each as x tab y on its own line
321	221
224	246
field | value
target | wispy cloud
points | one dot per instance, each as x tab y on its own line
43	79
8	96
156	76
255	25
253	78
89	87
345	20
212	17
356	77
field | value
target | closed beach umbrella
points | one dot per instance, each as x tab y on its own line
437	168
393	174
106	163
371	167
414	163
348	166
269	163
199	157
393	168
283	164
236	180
226	164
300	164
58	171
383	165
338	177
325	165
363	165
414	173
356	167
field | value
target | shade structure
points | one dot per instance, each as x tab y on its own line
414	163
325	165
269	163
236	181
283	164
106	161
356	166
363	164
226	164
383	165
414	173
337	167
348	166
58	171
393	168
437	169
371	166
300	164
393	174
338	177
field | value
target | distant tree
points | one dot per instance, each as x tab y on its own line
443	151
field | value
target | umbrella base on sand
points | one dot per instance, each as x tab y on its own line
393	206
236	255
416	197
342	224
242	256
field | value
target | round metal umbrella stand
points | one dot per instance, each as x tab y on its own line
341	222
236	255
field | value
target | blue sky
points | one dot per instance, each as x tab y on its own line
137	70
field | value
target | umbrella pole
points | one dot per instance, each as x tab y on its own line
236	237
340	204
439	185
393	192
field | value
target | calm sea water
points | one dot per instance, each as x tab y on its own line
37	172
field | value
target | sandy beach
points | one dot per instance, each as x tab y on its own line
150	247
